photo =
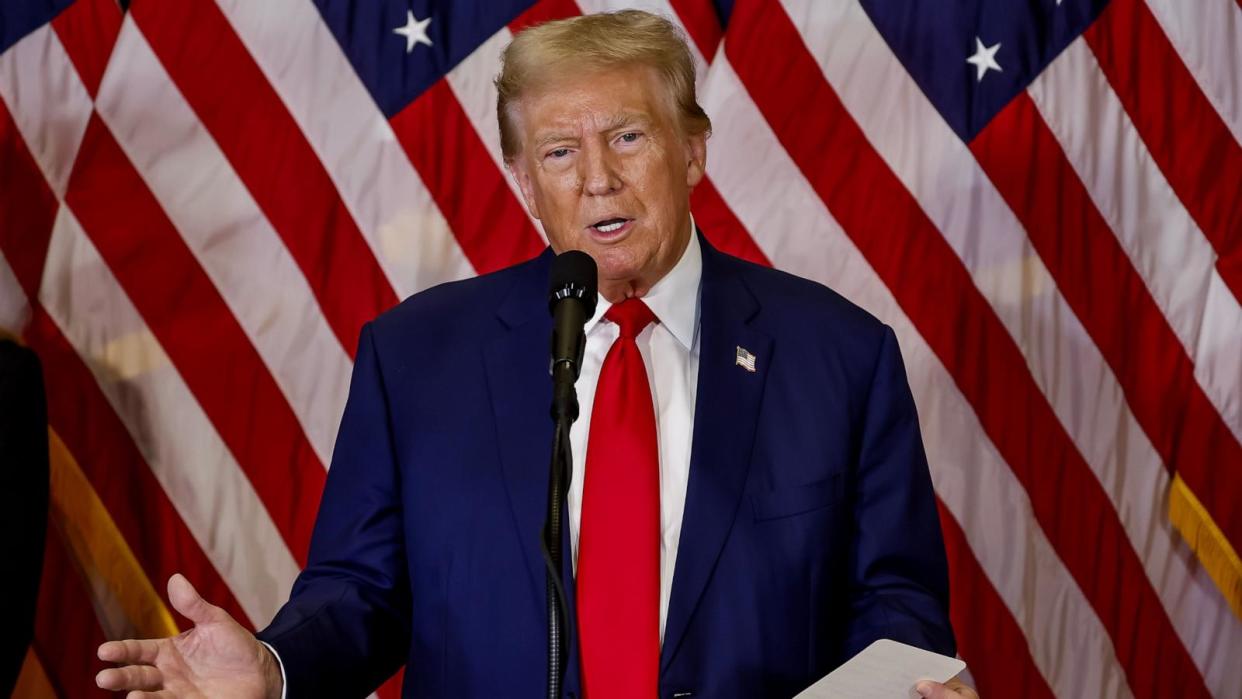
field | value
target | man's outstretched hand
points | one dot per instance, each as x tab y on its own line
216	658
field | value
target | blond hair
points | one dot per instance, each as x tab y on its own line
607	40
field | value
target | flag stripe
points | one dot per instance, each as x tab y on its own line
713	216
489	222
912	258
27	207
986	629
269	153
180	306
1050	208
701	23
1161	240
1208	36
14	308
949	185
187	456
88	30
66	632
800	235
230	238
307	67
1185	135
50	112
1105	291
472	84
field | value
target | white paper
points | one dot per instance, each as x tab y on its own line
884	670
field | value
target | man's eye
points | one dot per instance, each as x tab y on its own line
558	153
630	136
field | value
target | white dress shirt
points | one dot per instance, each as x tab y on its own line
670	350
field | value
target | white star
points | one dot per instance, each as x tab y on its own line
414	31
984	59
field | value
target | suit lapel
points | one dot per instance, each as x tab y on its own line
521	393
726	411
517	378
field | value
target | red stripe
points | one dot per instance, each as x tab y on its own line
721	227
544	11
1110	298
490	224
1186	137
702	24
995	649
267	149
937	294
27	207
88	31
198	332
77	409
67	632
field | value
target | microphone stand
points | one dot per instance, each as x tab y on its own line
564	412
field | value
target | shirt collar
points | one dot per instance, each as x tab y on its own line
675	298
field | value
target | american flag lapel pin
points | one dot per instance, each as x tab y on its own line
745	359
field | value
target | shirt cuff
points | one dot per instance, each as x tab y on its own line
284	681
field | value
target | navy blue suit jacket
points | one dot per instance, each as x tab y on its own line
810	527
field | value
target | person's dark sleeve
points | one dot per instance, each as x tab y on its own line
346	628
900	576
23	503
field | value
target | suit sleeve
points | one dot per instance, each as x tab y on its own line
346	626
900	586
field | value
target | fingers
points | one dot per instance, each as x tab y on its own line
141	677
130	652
162	694
185	599
935	690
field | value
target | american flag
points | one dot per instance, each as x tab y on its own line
202	201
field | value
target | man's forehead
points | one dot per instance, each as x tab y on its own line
572	124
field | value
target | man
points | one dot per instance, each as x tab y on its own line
750	503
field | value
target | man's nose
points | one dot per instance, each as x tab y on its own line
599	174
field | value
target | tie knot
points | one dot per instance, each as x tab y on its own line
632	315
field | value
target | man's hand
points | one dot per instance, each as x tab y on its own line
216	658
953	689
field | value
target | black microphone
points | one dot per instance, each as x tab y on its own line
571	301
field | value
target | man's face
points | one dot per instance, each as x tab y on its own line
606	169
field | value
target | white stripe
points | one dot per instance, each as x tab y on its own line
1163	242
228	234
1068	643
946	180
48	102
471	82
1207	34
396	214
205	485
14	307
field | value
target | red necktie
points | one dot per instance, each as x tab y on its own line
619	539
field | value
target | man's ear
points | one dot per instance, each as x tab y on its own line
521	175
696	158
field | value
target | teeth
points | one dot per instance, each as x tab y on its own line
609	227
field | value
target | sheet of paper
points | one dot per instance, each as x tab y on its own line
884	670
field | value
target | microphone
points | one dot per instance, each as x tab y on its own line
571	301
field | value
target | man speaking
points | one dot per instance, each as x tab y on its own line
749	505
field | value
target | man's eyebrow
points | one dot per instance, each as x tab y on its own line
619	121
552	137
